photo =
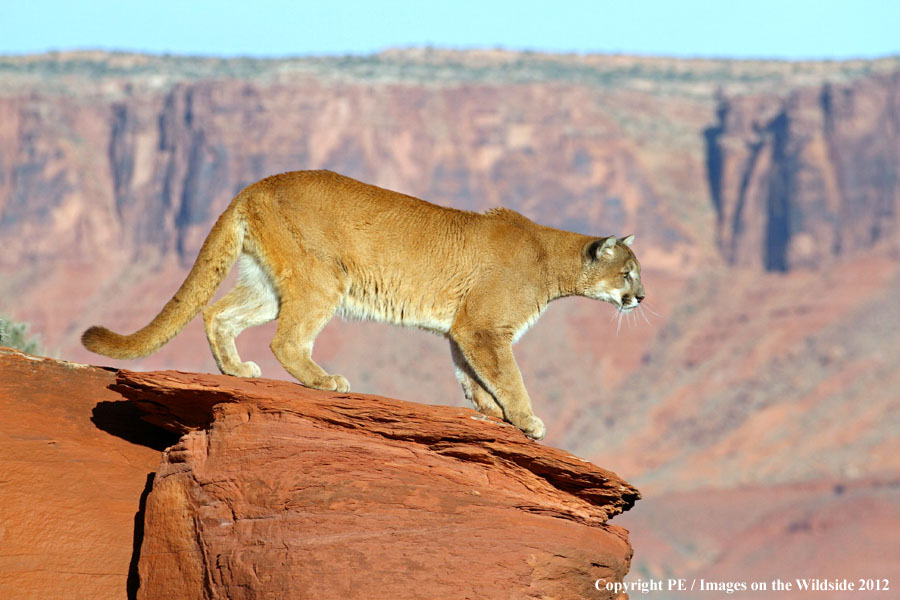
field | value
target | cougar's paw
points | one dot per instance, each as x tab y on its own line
248	369
333	383
534	428
340	383
487	406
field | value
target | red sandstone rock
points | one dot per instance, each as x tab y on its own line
69	490
280	491
323	495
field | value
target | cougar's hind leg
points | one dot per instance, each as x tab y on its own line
310	294
474	391
253	301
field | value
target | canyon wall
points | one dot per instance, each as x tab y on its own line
800	180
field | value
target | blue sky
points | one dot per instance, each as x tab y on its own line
741	28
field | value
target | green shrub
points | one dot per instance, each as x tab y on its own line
15	335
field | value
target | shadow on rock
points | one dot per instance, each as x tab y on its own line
123	419
134	582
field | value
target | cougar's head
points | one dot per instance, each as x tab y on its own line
612	273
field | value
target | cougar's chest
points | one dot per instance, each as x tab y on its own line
532	319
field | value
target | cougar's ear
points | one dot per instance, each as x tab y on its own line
597	247
627	239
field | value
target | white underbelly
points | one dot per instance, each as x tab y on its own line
351	309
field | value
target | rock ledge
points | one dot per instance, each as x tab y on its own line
275	487
271	490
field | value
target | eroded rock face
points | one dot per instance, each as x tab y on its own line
321	495
800	180
278	491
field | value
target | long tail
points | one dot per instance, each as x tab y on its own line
220	250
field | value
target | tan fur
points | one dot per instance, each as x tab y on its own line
314	243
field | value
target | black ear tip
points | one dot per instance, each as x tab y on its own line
596	246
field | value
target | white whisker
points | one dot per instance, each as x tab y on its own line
619	323
647	306
644	315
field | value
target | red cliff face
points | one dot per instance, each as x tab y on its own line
150	173
279	490
801	180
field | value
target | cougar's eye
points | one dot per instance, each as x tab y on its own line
626	276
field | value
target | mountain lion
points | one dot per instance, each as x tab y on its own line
314	243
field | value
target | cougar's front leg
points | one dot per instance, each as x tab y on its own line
489	353
474	391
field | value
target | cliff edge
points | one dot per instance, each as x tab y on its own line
273	489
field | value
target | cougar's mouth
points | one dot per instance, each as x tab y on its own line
628	303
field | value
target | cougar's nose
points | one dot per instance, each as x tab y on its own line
639	298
